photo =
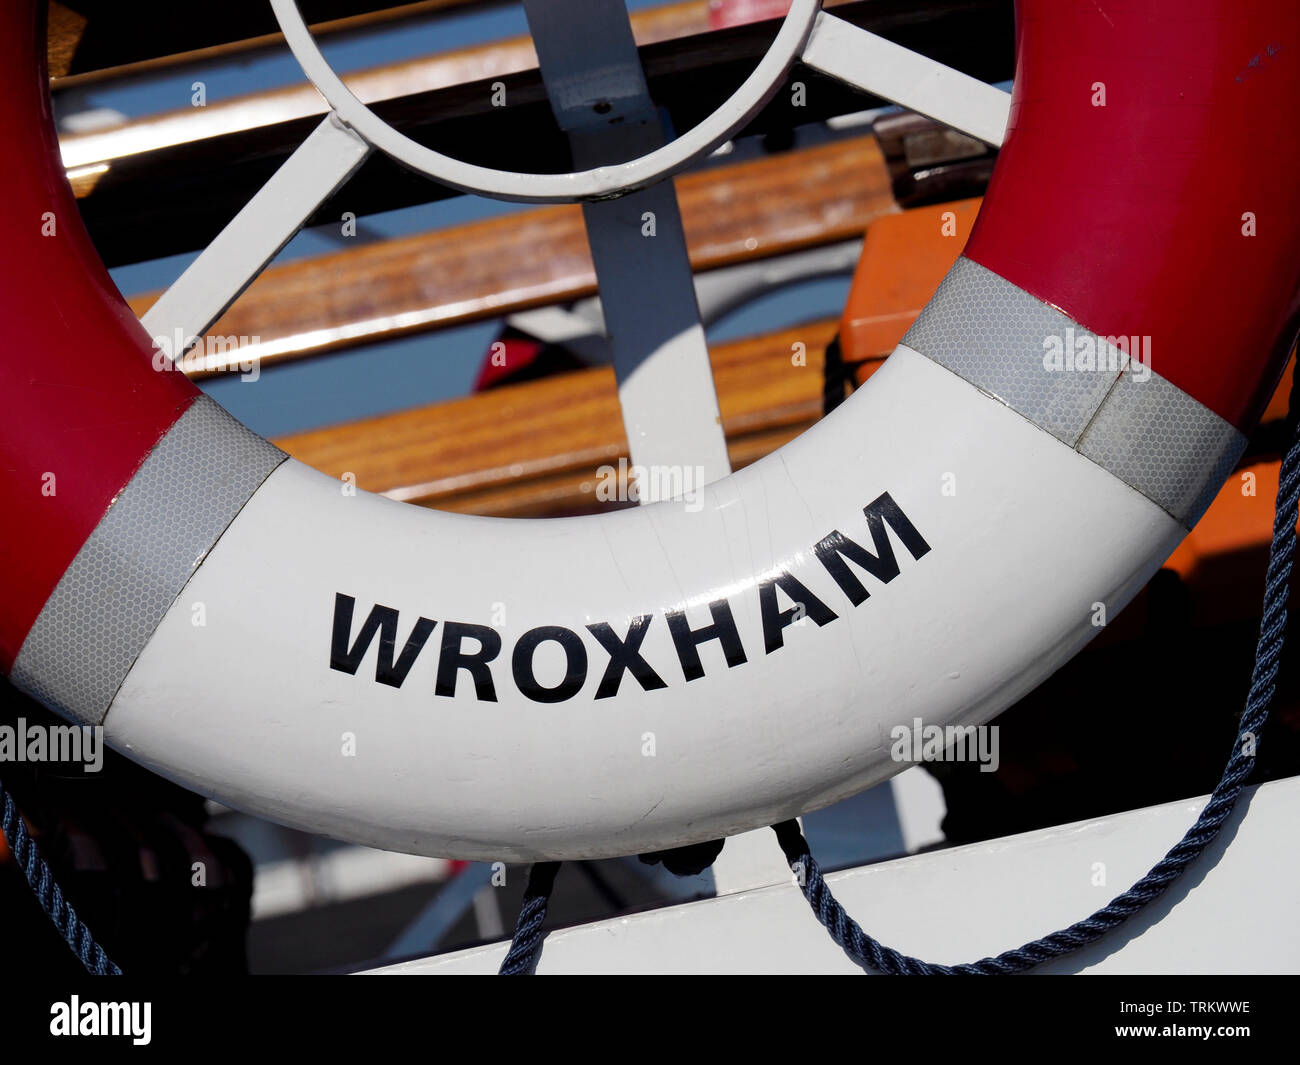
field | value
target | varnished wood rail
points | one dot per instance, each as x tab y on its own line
99	40
534	449
502	265
142	200
239	114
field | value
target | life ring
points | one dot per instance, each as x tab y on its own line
564	688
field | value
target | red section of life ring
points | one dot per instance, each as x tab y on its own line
80	403
1148	186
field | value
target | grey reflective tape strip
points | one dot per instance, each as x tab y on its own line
992	333
1123	416
1154	436
112	597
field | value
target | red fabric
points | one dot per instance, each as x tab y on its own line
517	352
79	398
724	13
1129	216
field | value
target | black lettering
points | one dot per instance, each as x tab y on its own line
775	620
575	667
688	640
452	659
833	549
625	655
382	620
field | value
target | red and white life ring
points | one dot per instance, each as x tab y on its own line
628	682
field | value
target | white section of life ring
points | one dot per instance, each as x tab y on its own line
246	708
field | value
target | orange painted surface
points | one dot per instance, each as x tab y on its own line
904	257
1239	520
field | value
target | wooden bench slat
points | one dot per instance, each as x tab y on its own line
529	449
502	265
118	41
176	198
493	59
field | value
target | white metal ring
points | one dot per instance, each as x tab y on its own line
602	182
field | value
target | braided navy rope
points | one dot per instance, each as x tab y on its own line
526	945
47	892
872	954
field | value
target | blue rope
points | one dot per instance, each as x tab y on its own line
526	945
48	893
872	954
